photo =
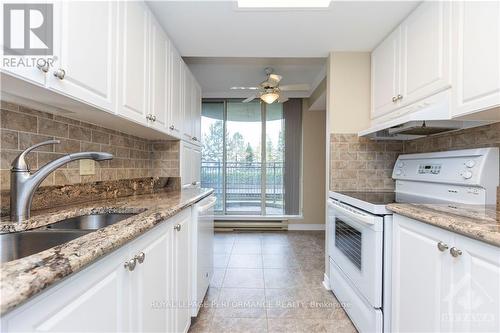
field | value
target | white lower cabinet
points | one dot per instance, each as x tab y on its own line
108	296
181	270
435	291
150	281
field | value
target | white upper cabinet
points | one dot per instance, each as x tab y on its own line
36	74
197	113
133	61
85	67
476	60
159	92
425	52
385	74
413	62
175	115
441	45
188	105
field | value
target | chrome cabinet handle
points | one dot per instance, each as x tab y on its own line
148	117
455	252
394	99
130	265
153	117
195	138
399	97
140	257
60	73
178	227
442	246
172	127
43	65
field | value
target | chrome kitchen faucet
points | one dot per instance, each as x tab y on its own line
23	183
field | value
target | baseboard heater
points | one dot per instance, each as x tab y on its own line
250	226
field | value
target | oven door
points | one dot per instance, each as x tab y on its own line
356	246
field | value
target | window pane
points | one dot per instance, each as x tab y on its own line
212	131
243	162
275	149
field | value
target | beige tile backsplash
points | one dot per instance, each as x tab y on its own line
362	164
134	157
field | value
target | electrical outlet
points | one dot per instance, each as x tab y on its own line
87	167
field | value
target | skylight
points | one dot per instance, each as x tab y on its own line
283	3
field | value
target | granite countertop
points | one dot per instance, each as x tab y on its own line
478	222
25	277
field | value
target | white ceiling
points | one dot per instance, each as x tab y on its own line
225	46
217	75
220	29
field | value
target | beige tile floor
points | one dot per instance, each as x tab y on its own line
270	282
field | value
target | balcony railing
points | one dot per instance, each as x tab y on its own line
243	187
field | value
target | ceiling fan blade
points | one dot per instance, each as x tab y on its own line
275	77
244	88
282	99
296	87
249	99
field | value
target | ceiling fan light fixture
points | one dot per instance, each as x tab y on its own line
270	97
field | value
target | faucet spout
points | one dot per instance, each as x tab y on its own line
24	183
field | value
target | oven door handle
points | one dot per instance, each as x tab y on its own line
353	213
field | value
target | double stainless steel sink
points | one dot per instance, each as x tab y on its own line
24	243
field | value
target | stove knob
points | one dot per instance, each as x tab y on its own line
470	163
398	172
400	164
467	174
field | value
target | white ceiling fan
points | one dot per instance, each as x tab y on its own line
270	90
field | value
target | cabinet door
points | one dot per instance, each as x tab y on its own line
196	165
176	89
87	63
475	294
93	300
425	51
420	276
151	281
197	113
476	58
14	64
181	271
186	160
158	75
385	74
133	61
188	105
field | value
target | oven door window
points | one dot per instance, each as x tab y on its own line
348	241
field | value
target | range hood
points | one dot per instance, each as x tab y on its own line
427	117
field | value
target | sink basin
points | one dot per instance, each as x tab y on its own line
22	244
90	222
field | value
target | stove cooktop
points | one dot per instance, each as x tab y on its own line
374	198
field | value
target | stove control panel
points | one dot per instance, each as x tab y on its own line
469	168
429	168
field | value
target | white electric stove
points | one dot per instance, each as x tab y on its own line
359	225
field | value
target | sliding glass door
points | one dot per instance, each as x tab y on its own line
243	156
